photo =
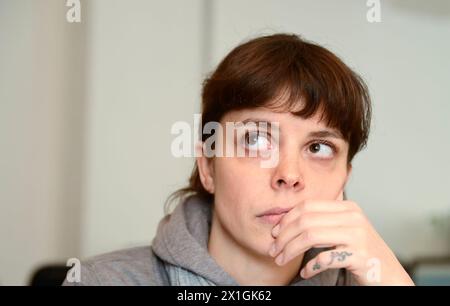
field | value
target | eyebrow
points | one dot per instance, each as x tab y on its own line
325	133
320	133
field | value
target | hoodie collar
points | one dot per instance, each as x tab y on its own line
182	240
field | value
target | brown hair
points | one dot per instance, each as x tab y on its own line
257	72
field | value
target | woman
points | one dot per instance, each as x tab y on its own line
241	223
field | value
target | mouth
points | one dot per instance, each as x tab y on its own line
274	215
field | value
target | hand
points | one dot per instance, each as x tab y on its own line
342	225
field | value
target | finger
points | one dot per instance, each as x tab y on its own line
333	259
332	236
312	206
313	220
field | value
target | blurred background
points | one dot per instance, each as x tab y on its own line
86	110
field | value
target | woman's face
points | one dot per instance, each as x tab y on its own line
307	168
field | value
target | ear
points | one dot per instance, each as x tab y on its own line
205	167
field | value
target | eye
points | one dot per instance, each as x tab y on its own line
322	149
256	140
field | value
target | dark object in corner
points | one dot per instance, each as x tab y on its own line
51	275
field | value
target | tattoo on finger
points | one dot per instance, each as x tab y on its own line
341	256
316	266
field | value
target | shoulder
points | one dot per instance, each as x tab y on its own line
134	266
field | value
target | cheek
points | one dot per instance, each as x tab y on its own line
325	185
238	179
230	188
239	190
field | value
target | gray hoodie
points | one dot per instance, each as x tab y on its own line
179	256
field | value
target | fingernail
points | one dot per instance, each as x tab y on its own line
275	230
280	259
302	273
273	250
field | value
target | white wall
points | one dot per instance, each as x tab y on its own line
85	118
86	111
144	64
402	176
41	106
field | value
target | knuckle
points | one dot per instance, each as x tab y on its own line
357	217
363	253
285	221
303	222
359	232
354	206
305	205
309	236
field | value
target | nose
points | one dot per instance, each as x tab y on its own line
287	175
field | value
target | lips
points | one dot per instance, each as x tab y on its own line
275	211
273	215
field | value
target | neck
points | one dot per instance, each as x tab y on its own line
247	267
